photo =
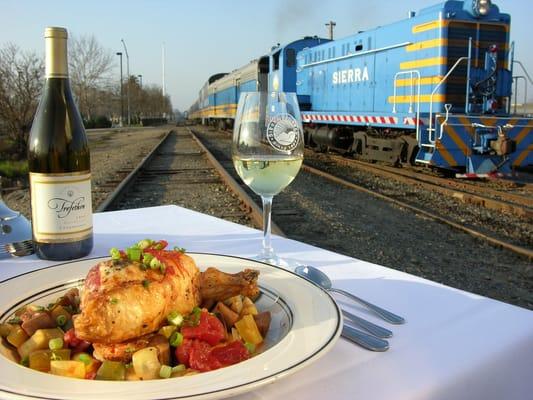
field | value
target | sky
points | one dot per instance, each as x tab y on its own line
204	37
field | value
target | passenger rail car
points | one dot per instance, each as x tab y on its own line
434	88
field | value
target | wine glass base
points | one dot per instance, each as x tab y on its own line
272	259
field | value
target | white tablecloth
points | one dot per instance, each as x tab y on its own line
455	345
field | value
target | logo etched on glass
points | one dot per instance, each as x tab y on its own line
283	132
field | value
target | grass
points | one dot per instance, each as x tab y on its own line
13	169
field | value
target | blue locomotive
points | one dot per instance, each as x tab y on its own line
434	89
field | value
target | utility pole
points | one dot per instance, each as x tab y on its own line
121	92
128	72
330	26
163	67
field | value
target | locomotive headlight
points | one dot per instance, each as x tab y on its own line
481	7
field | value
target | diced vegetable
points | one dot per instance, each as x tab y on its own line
39	320
111	371
5	329
40	359
71	369
17	336
209	329
235	334
114	253
178	368
145	243
91	364
248	307
229	316
235	303
231	353
39	341
60	315
248	330
165	371
163	348
130	373
175	318
134	253
146	363
55	343
176	339
250	347
262	320
167	330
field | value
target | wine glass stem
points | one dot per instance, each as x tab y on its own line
268	251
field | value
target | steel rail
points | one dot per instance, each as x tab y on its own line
496	242
124	185
255	211
510	203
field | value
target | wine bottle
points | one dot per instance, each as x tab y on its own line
59	163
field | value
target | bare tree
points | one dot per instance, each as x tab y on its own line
90	65
21	81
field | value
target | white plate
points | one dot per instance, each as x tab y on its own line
306	323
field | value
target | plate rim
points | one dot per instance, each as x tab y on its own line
234	389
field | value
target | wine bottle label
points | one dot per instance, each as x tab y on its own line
61	206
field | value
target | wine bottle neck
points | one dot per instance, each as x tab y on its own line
56	53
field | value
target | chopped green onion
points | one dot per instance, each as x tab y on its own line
85	358
114	253
61	320
134	253
179	368
196	311
155	263
146	283
165	371
175	318
14	320
55	343
38	308
158	246
143	244
250	347
180	249
176	339
113	300
25	361
147	257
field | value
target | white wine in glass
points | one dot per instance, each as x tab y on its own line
267	150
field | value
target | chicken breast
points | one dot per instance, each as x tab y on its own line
121	300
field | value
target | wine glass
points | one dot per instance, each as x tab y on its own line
267	150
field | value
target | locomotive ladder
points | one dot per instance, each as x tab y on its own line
431	138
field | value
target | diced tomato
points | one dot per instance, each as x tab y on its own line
76	344
230	354
209	329
70	338
201	359
183	351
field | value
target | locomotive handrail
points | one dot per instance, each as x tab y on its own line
515	79
411	74
430	128
525	71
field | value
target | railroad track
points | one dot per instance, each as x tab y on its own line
487	197
440	186
178	161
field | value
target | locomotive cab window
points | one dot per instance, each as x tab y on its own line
290	57
275	57
358	47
